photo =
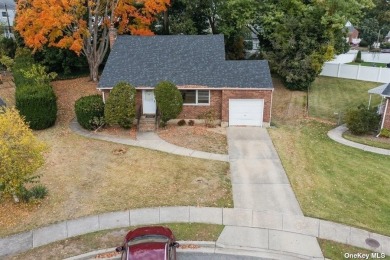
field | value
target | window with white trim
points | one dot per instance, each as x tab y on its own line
195	97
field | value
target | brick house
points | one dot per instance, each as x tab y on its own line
239	92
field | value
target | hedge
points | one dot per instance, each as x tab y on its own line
169	100
37	103
90	111
120	105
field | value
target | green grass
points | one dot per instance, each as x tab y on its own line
369	64
367	141
333	181
112	238
330	98
335	251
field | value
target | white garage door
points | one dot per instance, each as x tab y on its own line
246	112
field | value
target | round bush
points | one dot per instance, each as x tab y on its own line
169	100
90	111
120	105
37	103
362	120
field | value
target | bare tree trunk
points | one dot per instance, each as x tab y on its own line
96	44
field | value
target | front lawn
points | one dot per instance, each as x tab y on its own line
369	64
86	176
196	137
331	181
113	238
334	251
330	98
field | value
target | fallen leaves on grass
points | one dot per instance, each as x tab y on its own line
189	246
107	255
119	151
195	137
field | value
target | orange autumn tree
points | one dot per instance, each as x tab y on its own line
83	25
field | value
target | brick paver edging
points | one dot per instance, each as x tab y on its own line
159	145
336	134
188	214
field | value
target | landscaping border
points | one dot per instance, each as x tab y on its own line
336	134
264	220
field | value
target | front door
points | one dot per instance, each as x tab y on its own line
149	102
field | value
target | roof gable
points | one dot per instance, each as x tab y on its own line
182	59
386	91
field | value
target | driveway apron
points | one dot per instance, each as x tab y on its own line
258	178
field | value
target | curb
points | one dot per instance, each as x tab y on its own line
202	247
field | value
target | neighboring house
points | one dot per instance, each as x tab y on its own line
239	92
352	34
7	16
384	110
387	37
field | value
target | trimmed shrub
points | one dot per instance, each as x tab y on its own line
209	117
362	120
90	111
363	43
181	122
385	133
37	103
191	122
39	191
120	105
385	45
169	100
359	57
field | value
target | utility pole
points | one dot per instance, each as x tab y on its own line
9	25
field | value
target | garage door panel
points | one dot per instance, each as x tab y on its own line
246	112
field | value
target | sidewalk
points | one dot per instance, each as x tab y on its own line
337	135
264	231
149	140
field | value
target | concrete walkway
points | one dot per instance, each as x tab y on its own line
337	135
149	140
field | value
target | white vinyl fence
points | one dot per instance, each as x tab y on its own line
357	72
366	56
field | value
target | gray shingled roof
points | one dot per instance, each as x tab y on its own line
181	59
386	91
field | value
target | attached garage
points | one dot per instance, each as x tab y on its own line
246	112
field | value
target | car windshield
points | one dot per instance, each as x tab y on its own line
147	239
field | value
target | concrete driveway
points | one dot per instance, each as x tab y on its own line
258	178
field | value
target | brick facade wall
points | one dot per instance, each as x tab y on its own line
386	123
247	94
194	112
219	102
